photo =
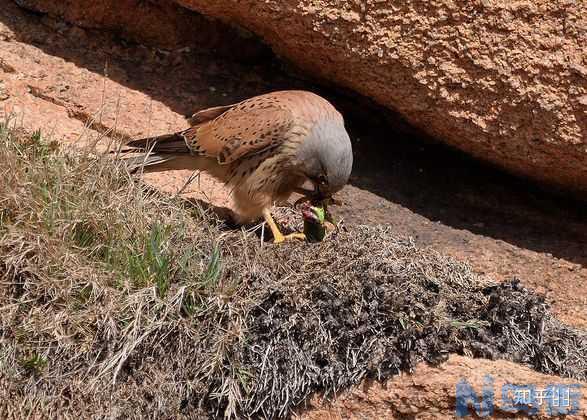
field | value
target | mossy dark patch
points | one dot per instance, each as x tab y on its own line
366	304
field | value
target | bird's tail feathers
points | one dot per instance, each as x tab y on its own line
145	160
158	162
167	143
167	152
153	152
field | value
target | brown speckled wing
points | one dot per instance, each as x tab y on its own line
248	128
208	114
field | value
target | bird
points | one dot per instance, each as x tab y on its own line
263	148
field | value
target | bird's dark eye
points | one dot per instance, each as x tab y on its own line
322	180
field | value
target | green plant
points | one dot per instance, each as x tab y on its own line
36	363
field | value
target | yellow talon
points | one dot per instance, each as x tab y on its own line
279	237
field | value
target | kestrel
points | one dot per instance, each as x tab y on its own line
264	148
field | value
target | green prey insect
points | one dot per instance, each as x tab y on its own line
315	213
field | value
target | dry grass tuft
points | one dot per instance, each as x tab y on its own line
118	301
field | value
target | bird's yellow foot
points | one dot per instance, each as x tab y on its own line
277	239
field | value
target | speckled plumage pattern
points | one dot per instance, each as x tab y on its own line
252	145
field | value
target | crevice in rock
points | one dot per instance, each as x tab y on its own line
7	68
161	24
75	111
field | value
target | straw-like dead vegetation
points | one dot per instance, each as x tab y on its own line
118	301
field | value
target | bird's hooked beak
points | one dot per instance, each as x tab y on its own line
315	198
315	194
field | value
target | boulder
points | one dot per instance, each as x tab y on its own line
503	80
430	393
162	24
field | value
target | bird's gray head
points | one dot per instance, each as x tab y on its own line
326	157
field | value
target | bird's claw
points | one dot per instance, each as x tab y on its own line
282	238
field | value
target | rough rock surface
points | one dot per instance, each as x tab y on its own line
429	393
165	25
159	23
503	80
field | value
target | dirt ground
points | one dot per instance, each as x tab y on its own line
79	84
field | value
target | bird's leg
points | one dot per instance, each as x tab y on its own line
279	237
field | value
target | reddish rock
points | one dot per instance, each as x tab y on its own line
430	392
501	80
504	81
157	23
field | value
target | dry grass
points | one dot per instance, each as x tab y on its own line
118	301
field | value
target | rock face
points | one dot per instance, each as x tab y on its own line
429	393
160	23
164	25
503	80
